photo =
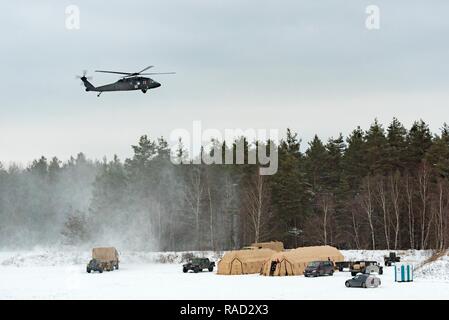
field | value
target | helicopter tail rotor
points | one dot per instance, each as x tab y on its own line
85	81
83	77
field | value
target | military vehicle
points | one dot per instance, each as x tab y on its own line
391	259
366	267
198	264
103	259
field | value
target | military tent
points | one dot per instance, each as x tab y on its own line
243	261
294	262
273	245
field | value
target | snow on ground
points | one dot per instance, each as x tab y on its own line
436	269
53	274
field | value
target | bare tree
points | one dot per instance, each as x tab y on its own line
229	210
326	204
441	213
193	194
382	199
367	205
257	205
355	226
211	216
411	219
394	187
423	184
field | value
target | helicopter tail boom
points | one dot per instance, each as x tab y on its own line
89	86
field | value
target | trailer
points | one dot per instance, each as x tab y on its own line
343	265
366	267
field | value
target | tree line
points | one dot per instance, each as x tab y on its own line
379	188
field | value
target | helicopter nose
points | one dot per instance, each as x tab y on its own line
157	84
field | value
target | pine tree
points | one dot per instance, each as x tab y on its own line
437	154
315	163
354	166
396	146
290	190
419	140
376	143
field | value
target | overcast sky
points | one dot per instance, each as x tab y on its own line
312	66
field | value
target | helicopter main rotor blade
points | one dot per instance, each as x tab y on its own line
147	74
145	69
115	72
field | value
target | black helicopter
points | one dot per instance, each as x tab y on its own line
130	81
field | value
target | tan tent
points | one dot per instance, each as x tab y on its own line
105	254
294	262
273	245
243	261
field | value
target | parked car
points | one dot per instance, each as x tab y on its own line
366	267
391	259
198	264
363	281
103	259
319	268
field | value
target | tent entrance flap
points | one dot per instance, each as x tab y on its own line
236	267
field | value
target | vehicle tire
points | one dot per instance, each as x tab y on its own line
196	270
211	269
144	90
88	270
331	273
340	269
347	284
184	270
353	274
100	270
364	285
381	271
116	266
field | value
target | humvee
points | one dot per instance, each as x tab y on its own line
391	259
103	259
198	264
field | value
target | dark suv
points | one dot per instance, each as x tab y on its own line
198	264
319	268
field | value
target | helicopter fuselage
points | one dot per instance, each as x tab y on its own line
126	84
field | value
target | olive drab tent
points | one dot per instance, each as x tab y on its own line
273	245
294	262
243	261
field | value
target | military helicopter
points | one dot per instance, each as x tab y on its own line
129	81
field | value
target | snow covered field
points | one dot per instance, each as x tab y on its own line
49	275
